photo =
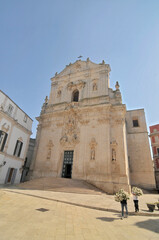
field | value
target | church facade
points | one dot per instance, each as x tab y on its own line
85	132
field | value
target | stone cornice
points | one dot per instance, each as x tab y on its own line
88	108
14	122
12	156
154	134
155	144
136	132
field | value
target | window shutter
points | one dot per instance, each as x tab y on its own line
13	176
4	141
20	149
6	179
15	147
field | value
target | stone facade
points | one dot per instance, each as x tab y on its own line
82	131
25	173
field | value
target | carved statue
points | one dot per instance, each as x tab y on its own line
95	86
93	154
59	93
93	145
117	85
5	127
113	155
46	100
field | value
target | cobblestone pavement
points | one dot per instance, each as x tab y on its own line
21	219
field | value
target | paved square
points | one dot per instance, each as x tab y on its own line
19	219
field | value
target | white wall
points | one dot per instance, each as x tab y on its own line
17	129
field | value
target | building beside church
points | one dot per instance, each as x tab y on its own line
85	132
28	159
15	131
154	136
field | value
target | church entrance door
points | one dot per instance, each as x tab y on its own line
67	164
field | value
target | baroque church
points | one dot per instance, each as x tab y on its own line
85	132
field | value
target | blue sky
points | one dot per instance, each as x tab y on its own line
40	37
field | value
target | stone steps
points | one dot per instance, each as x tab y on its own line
60	185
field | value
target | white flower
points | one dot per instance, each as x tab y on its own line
137	191
121	195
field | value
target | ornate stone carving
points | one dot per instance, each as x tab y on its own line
20	139
120	121
76	85
49	149
95	86
70	133
59	124
5	127
44	105
2	107
115	164
113	149
117	85
93	145
46	124
84	122
103	120
71	105
114	143
59	93
113	154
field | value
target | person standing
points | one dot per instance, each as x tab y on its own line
124	205
136	202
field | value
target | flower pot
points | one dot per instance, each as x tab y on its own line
151	207
157	204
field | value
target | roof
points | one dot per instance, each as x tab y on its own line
15	104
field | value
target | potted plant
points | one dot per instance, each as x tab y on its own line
151	206
157	204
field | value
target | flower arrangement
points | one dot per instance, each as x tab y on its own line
121	195
137	191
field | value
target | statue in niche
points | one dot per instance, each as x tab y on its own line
93	145
49	153
59	93
94	86
113	155
93	154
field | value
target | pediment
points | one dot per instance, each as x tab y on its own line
78	66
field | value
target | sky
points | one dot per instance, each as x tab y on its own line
40	37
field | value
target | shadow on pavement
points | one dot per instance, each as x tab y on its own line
151	224
143	210
107	219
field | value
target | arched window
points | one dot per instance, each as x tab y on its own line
75	96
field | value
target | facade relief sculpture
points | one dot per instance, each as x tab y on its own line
94	86
49	149
76	85
70	132
5	127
